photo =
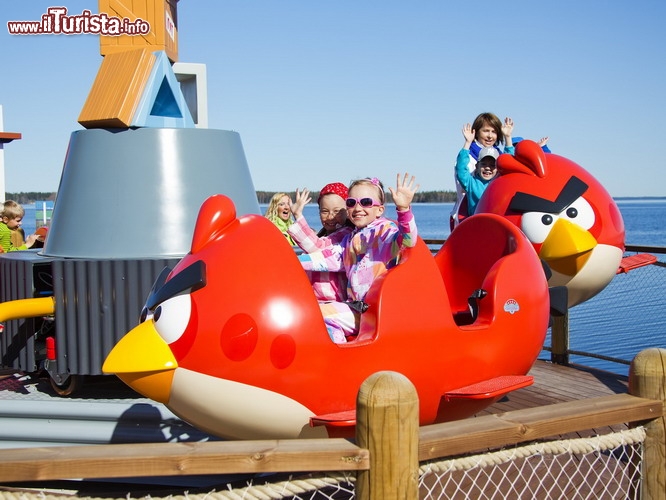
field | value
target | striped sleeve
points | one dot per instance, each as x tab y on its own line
305	237
328	259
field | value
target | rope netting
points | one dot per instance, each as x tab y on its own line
630	299
600	467
313	486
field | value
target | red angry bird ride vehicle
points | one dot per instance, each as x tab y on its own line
232	339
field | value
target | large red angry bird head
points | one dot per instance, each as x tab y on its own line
572	221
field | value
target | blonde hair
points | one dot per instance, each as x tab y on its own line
371	182
12	210
271	211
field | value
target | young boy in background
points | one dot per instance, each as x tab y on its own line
10	221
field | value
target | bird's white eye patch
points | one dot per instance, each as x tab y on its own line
172	316
537	225
579	212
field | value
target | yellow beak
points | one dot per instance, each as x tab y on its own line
567	247
143	361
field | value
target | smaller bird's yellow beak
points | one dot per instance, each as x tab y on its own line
143	361
567	247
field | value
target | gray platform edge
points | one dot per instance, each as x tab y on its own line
44	421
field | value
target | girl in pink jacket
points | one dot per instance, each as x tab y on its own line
373	247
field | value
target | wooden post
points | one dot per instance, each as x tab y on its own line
387	424
559	339
647	379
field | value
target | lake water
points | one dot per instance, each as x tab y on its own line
626	317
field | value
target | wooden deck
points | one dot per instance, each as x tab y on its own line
557	384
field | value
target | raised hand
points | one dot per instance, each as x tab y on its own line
404	192
468	133
302	199
507	128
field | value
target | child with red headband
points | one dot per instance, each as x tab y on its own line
335	226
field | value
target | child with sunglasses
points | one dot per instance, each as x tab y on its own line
374	246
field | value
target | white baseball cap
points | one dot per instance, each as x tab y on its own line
488	152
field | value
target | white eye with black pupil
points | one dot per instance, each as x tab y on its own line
580	212
537	225
172	316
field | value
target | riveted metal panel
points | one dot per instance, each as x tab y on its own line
23	275
97	302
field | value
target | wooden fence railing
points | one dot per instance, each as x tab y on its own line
389	444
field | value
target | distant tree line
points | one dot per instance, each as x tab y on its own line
419	197
262	196
30	197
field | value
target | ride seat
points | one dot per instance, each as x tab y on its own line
467	257
415	284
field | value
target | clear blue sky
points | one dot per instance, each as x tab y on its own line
325	91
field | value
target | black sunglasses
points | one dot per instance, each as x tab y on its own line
364	202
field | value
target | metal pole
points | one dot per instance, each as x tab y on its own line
559	337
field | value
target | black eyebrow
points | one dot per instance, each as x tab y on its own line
190	279
524	202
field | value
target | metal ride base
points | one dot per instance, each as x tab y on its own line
96	302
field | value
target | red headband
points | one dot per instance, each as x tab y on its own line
334	188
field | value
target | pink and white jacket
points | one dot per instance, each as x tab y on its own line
327	285
366	253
